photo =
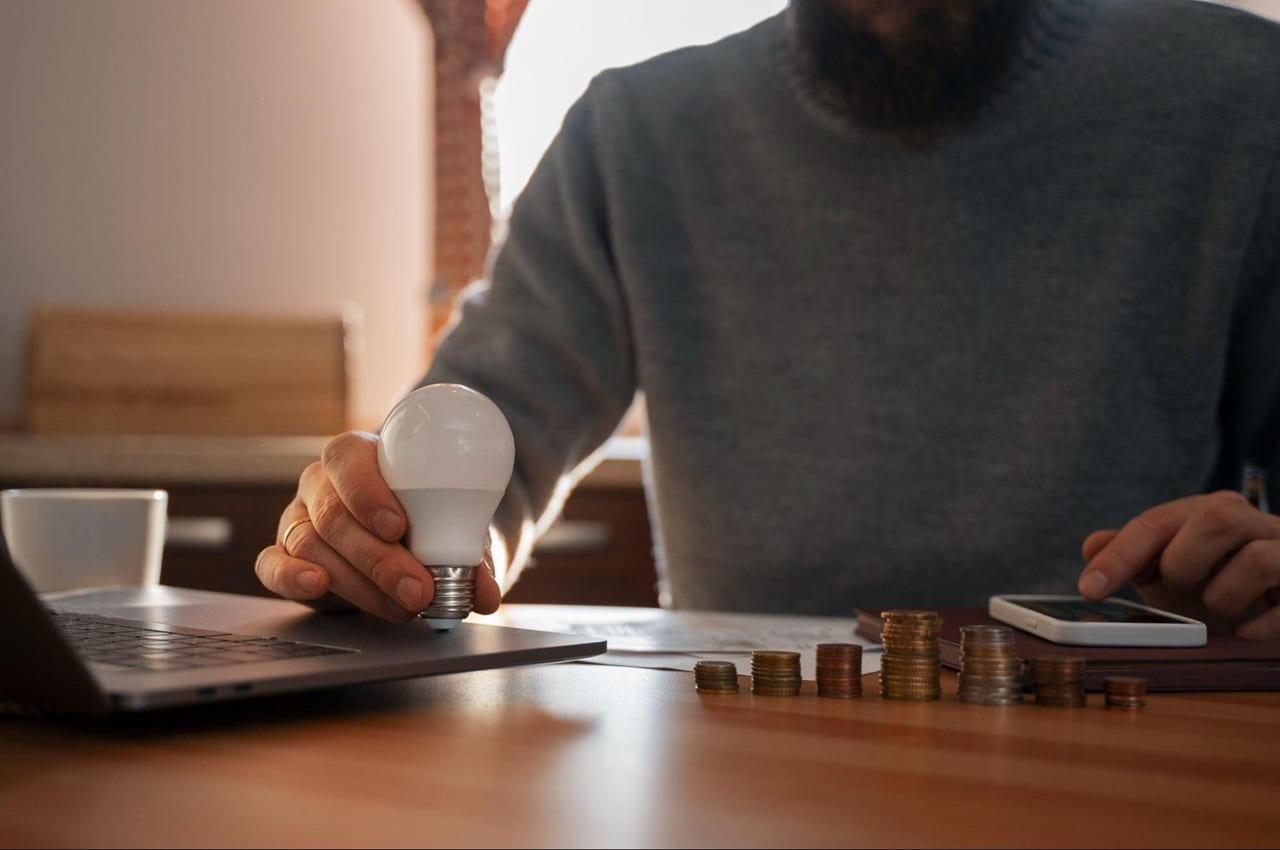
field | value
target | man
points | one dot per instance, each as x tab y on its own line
921	295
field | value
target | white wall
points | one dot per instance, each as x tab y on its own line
542	79
1271	8
259	155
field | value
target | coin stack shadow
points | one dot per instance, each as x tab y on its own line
775	673
990	670
1058	681
839	670
715	677
909	665
1125	691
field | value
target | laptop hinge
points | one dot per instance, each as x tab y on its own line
38	669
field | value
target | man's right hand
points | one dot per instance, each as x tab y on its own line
341	536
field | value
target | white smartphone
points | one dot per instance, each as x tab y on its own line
1111	622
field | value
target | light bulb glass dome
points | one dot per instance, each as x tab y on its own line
447	452
446	435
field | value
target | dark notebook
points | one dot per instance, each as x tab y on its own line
1225	663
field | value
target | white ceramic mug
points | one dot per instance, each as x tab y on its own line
62	538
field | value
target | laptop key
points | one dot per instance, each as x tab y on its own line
126	645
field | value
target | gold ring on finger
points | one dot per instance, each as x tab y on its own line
284	540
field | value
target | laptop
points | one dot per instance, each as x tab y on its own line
126	649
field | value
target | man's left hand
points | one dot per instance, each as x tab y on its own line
1213	557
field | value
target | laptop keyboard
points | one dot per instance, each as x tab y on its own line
147	646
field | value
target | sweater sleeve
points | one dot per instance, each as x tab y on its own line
1251	396
547	335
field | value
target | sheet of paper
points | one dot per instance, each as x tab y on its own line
676	640
686	661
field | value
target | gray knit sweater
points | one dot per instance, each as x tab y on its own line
883	375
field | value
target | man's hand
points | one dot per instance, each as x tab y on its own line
341	535
1213	557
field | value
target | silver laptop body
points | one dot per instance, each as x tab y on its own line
140	648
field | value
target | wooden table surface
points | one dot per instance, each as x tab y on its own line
587	755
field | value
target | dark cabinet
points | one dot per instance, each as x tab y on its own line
599	553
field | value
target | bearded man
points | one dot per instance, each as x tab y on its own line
924	297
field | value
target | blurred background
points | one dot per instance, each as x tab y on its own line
288	158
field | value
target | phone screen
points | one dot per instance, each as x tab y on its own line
1084	611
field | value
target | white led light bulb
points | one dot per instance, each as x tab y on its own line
447	453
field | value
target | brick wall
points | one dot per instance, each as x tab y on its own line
471	39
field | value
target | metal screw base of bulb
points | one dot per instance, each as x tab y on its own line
455	594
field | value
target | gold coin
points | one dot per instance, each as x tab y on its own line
908	614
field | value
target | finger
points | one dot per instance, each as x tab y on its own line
293	573
389	567
292	578
1265	627
1094	542
1135	546
488	594
1215	531
295	512
351	464
1248	575
307	549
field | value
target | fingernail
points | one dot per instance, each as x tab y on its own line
409	592
387	525
1093	584
308	581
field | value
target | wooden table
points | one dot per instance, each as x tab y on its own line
586	755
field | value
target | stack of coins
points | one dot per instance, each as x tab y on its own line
990	672
775	674
1058	681
1125	691
715	677
839	670
909	666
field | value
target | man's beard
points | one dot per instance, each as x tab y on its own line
938	74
